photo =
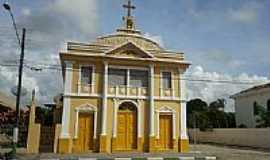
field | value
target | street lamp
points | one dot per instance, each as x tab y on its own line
16	128
8	8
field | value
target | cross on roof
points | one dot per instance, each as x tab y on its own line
129	7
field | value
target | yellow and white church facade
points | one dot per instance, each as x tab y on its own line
123	93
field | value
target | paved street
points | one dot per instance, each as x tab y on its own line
231	153
201	150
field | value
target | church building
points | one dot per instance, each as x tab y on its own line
123	92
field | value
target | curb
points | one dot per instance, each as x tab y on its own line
149	158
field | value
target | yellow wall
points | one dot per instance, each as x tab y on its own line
99	73
76	101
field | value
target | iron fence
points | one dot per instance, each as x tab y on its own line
6	136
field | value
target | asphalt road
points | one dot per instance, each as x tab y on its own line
201	150
230	153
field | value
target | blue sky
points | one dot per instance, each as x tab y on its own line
232	35
223	39
220	31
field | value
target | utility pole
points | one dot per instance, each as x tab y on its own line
16	129
19	86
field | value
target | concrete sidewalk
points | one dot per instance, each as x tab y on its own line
118	156
201	151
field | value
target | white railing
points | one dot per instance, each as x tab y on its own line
85	88
167	92
127	91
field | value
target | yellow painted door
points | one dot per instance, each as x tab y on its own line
121	131
165	132
89	132
126	131
131	130
84	141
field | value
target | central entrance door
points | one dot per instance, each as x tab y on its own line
84	141
126	127
165	132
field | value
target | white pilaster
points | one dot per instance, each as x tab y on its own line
183	110
95	124
152	85
66	104
128	82
158	125
76	124
139	119
115	110
172	81
174	125
93	83
104	100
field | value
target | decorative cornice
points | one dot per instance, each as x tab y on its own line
125	97
120	34
180	62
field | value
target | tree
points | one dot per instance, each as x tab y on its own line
201	120
262	116
217	105
264	120
196	105
208	117
217	116
230	118
196	113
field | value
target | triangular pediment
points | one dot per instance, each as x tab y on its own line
129	49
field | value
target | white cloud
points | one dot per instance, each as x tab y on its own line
47	30
82	13
210	91
8	78
156	38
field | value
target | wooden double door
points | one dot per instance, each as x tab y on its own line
165	141
85	140
126	130
46	140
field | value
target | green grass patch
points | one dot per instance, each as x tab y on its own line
171	159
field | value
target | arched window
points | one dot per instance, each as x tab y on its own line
268	105
255	108
127	106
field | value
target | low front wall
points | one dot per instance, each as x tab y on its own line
56	137
251	137
33	138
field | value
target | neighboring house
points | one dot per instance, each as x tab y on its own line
246	102
123	92
8	119
7	101
7	109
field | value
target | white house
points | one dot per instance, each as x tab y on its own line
247	100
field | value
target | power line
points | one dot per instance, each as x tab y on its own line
190	78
